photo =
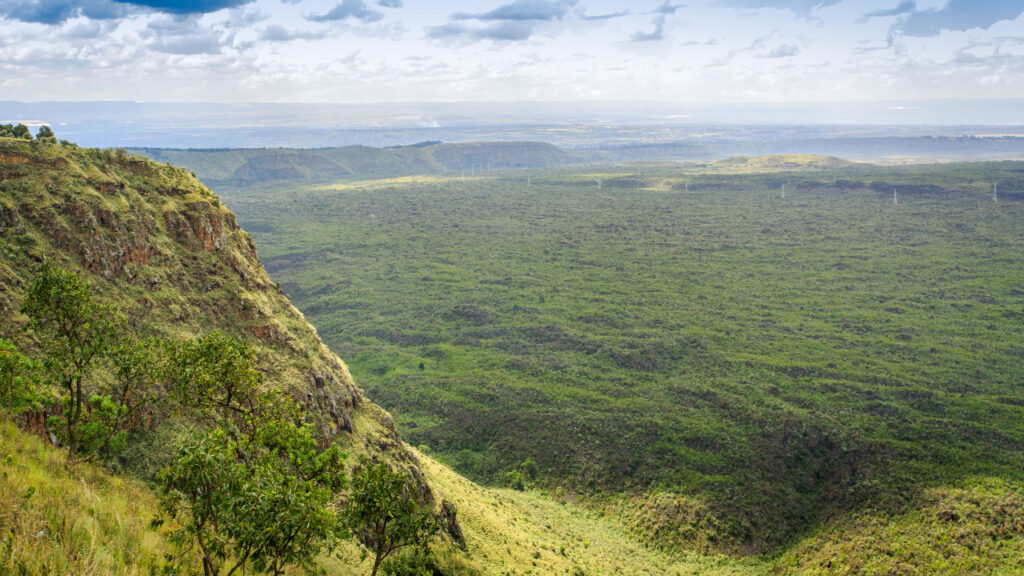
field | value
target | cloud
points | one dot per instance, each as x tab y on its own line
187	6
356	9
183	35
903	8
519	10
390	3
502	31
653	36
608	16
90	30
278	33
59	11
188	46
783	51
667	8
54	12
515	21
960	15
801	7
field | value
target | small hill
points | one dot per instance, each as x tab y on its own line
774	163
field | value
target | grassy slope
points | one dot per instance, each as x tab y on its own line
974	529
511	532
88	522
84	521
743	366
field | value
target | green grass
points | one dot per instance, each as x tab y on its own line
975	529
529	533
680	330
81	521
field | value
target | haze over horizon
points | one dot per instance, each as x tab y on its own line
385	51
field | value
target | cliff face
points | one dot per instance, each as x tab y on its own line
162	247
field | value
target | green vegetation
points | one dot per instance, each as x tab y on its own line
511	532
19	131
117	266
251	487
383	513
722	368
262	495
700	362
79	521
17	376
75	332
975	529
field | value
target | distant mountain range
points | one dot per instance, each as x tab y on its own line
575	125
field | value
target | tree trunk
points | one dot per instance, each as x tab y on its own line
376	562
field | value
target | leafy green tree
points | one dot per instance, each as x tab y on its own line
382	512
74	331
215	375
514	480
21	131
263	496
46	135
6	130
17	372
201	488
131	396
528	469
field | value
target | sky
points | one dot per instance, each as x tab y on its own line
379	51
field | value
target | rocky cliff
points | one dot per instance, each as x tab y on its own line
162	247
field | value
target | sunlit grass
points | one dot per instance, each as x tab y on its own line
374	184
528	532
81	521
977	528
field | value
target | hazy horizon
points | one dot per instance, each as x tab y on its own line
208	125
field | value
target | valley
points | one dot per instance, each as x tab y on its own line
725	356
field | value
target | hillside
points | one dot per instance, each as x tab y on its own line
167	251
262	166
721	368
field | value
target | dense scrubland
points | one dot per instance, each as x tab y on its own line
726	355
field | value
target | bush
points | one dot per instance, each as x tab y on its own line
425	562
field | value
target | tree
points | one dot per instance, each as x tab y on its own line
75	331
215	375
46	135
253	490
21	131
262	496
16	374
131	395
382	513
